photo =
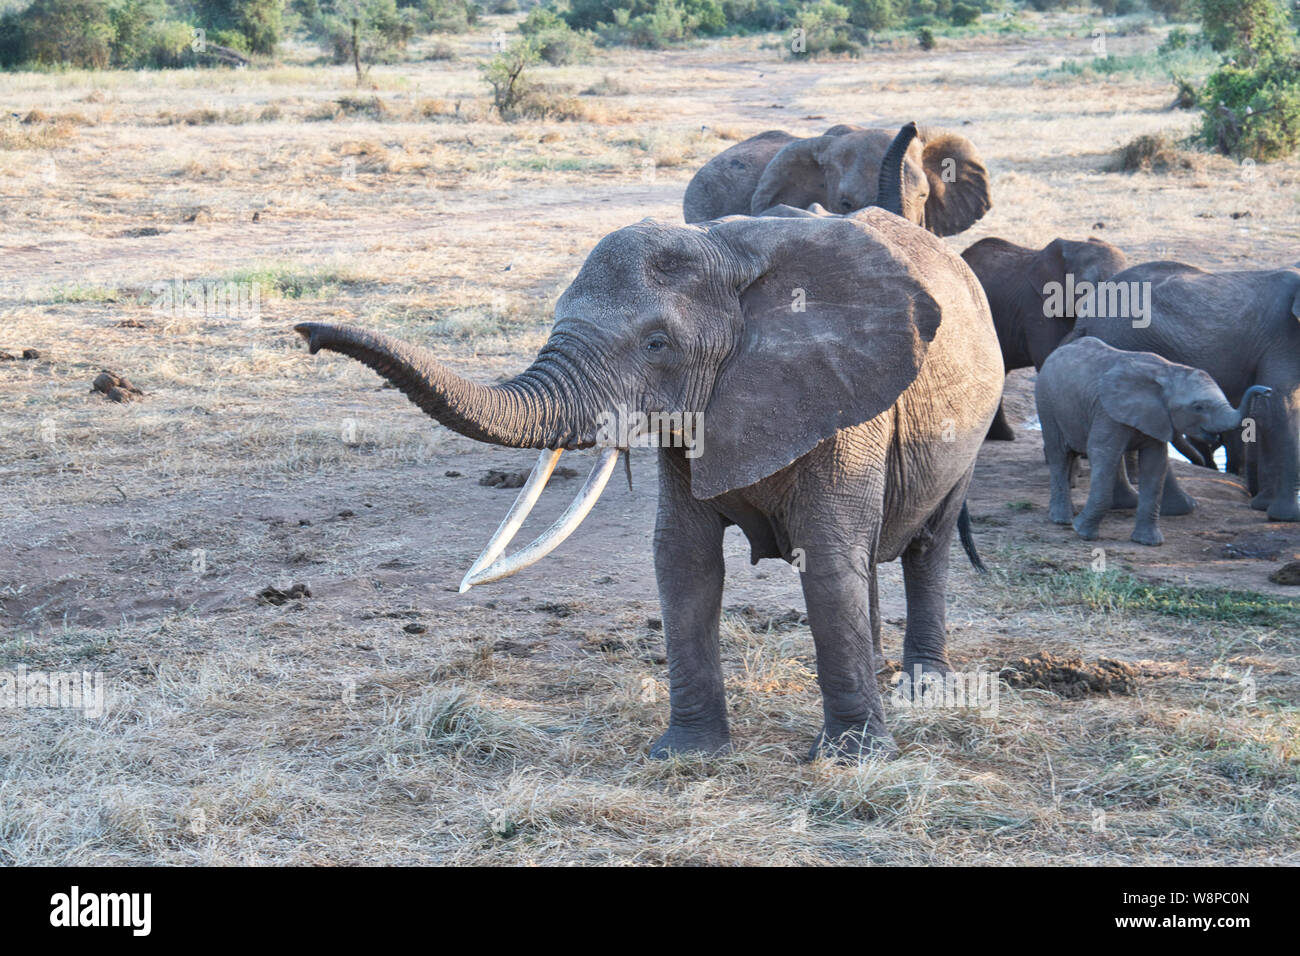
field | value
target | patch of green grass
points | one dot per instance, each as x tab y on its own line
289	282
1020	505
1119	591
1185	63
82	293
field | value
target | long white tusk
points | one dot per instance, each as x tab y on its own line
528	496
553	536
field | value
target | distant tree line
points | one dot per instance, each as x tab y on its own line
98	34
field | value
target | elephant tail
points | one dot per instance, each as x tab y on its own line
968	539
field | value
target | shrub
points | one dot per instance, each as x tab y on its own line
964	14
506	73
873	14
925	37
1251	29
76	32
1253	112
259	23
555	41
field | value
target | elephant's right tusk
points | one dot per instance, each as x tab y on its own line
514	519
555	535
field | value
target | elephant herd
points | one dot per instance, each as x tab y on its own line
846	367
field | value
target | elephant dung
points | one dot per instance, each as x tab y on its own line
1289	573
1070	676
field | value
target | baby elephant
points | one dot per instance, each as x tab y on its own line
1100	401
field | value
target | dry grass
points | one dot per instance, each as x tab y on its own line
512	729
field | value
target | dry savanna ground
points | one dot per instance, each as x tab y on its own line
382	718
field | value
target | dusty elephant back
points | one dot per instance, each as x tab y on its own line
724	184
1191	310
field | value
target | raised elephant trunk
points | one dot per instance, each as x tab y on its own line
1242	410
536	409
889	188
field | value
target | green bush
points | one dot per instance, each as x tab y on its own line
873	14
555	41
964	14
925	38
1253	112
260	23
507	75
75	32
1250	29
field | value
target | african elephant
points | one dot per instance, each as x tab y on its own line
843	371
1017	281
1107	402
1243	328
946	187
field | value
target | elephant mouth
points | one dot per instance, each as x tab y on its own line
491	565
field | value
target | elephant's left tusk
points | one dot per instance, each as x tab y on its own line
553	536
532	490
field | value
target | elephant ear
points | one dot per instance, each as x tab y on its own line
959	182
1046	266
794	177
836	325
1132	393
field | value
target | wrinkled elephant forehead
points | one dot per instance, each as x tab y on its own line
643	264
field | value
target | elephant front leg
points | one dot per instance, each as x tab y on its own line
1153	467
1106	446
837	588
689	568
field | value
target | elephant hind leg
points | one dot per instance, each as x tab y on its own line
1174	500
925	582
1125	497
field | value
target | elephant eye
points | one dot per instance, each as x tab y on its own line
846	205
657	343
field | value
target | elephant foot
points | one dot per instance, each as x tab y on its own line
1171	507
1148	536
854	744
1060	514
1087	530
1283	510
1124	499
1261	502
677	741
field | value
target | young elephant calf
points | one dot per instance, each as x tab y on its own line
1101	401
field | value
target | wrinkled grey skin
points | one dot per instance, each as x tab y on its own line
946	186
838	437
1106	402
1014	277
1243	328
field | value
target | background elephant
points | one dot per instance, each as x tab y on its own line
946	187
1107	402
802	448
1014	278
1243	328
